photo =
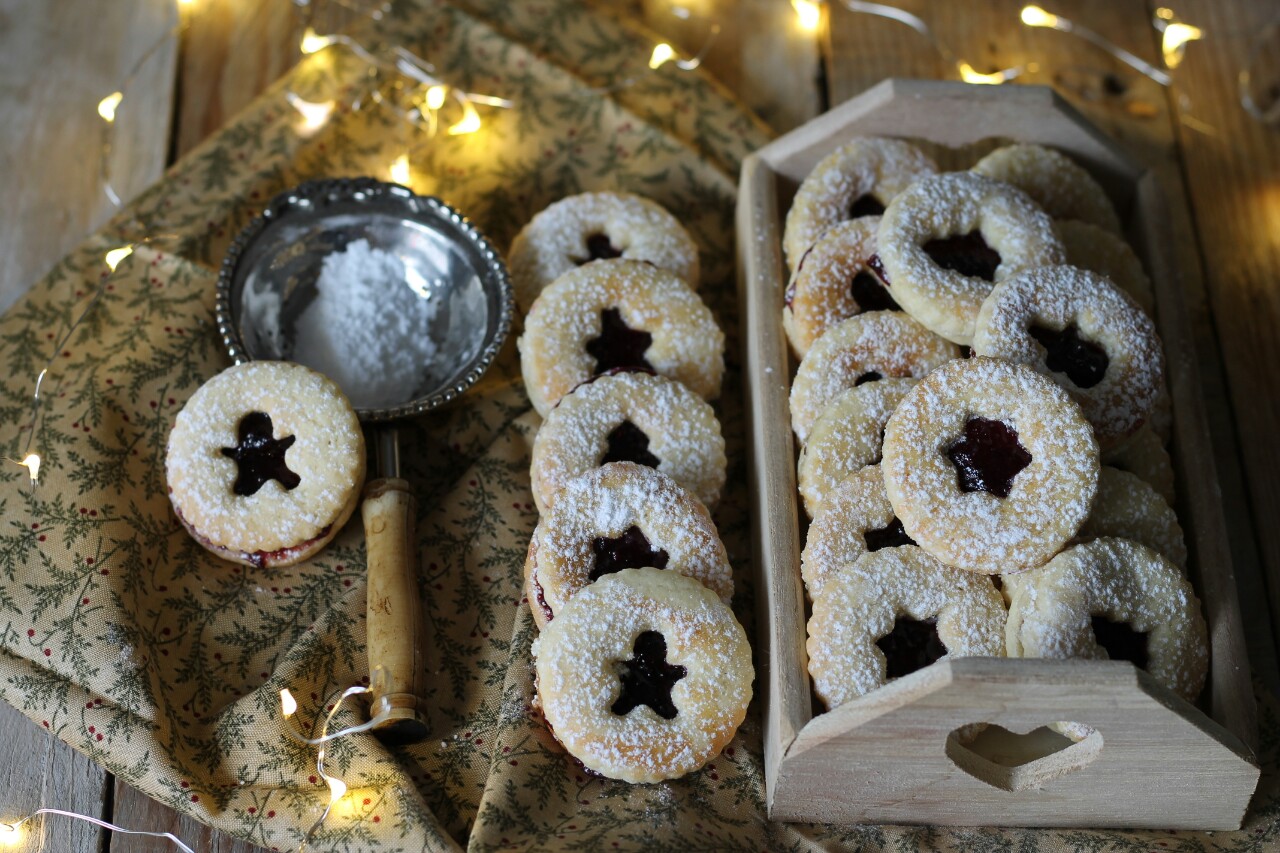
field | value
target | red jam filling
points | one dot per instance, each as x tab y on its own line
259	457
910	646
865	205
890	536
631	550
628	443
988	457
967	254
877	266
871	294
1084	362
647	678
869	376
1121	641
618	345
599	247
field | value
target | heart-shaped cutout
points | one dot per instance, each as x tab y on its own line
1017	762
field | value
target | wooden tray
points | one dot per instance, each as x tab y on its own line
1155	760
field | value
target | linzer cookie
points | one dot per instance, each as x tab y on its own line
864	348
1087	335
1115	599
834	282
265	463
630	417
621	516
645	675
1127	507
592	226
893	612
858	179
1098	250
946	239
1054	181
614	314
990	466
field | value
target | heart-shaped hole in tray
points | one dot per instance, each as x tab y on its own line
1017	762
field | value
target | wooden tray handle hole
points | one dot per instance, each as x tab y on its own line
1016	762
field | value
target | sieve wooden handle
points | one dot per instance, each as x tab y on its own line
395	633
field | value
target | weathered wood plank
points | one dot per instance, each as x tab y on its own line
1232	168
39	771
57	61
761	54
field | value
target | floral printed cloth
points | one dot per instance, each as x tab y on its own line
164	664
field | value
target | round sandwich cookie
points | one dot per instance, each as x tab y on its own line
614	314
947	239
893	612
593	226
645	675
858	179
990	466
621	516
1054	181
265	463
1113	599
630	416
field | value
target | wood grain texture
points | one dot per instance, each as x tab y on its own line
1232	170
760	54
955	114
39	771
57	63
134	810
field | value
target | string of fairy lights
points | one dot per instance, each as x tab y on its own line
429	100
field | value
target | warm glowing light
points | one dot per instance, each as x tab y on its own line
312	42
1173	44
337	789
662	53
314	114
10	836
32	464
115	256
1034	16
400	172
288	705
969	75
470	121
809	12
435	97
107	106
1165	13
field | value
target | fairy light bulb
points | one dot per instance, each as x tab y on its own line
399	170
107	106
434	99
288	705
470	121
809	13
1034	16
337	789
32	464
970	75
115	256
10	835
1174	41
313	42
662	53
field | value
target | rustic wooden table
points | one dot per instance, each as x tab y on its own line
1220	168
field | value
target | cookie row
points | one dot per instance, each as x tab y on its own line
643	673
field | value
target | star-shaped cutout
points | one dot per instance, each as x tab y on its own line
260	457
1084	362
628	443
618	345
967	254
911	645
647	679
631	550
988	457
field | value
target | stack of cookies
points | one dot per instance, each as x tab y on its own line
982	413
643	672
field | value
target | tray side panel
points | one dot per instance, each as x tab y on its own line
771	470
887	757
